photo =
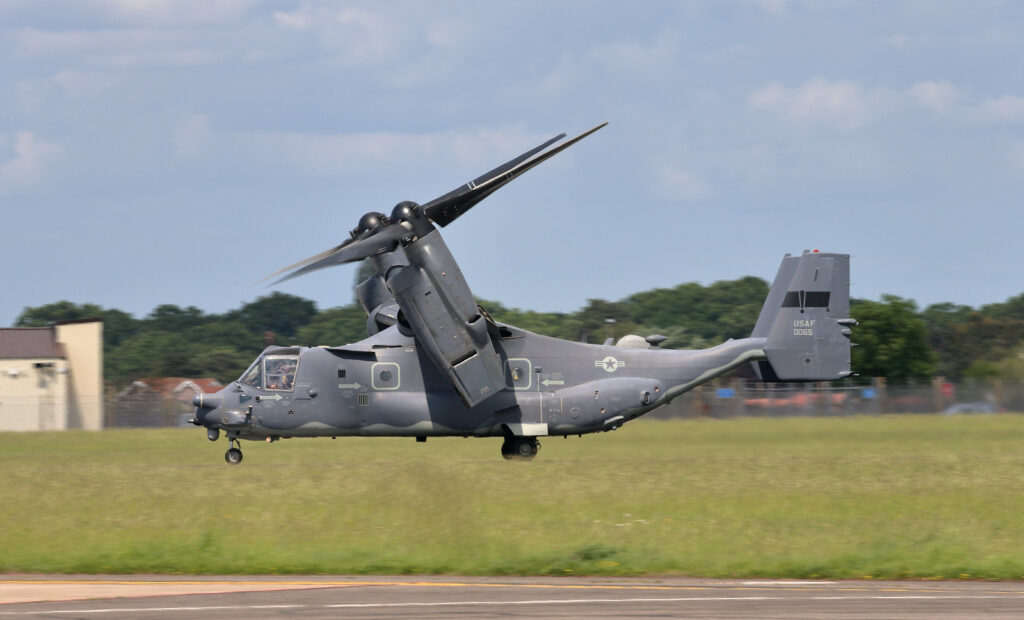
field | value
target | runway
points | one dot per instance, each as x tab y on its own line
163	597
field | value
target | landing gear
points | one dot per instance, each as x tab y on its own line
520	448
234	455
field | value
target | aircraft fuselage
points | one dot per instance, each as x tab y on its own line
386	386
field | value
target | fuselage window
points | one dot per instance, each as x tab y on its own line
280	371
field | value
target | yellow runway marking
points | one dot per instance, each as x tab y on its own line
53	590
455	584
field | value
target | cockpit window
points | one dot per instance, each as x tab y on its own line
253	375
279	371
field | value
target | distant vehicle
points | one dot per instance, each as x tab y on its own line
978	407
436	364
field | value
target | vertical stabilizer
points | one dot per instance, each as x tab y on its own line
806	320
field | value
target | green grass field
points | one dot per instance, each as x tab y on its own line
884	497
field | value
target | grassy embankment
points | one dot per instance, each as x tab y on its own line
910	496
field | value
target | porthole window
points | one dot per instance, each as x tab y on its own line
386	376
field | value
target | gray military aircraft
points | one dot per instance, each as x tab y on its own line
436	364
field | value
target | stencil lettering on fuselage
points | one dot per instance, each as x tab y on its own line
803	327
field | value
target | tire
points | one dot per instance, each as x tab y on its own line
233	456
524	448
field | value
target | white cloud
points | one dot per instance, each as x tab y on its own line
124	48
639	58
937	96
917	41
401	45
677	184
301	19
647	60
1017	157
192	137
450	33
337	154
1004	109
341	153
772	7
28	163
176	12
950	102
352	35
847	106
842	104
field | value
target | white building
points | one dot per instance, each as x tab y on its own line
51	378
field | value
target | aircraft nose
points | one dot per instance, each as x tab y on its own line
204	404
206	401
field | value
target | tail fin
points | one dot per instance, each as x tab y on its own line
806	320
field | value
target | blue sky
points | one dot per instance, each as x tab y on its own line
177	151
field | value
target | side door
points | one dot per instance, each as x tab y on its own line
274	406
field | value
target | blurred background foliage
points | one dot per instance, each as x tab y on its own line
895	339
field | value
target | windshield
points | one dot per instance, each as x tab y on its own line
280	371
253	376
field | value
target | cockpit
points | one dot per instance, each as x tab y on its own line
274	370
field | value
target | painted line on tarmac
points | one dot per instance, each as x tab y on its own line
685	599
43	591
789	583
149	609
332	584
679	599
735	586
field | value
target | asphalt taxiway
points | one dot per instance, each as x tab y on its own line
163	597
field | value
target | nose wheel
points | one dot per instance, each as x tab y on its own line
234	454
520	448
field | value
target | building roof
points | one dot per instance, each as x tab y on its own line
75	321
30	343
171	386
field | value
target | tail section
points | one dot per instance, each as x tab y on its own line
806	320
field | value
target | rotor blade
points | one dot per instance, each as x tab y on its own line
306	261
445	209
382	241
462	189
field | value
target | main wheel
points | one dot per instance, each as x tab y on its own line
523	448
506	451
233	456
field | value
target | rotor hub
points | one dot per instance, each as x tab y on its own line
403	211
370	221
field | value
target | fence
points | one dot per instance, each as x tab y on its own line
725	398
739	397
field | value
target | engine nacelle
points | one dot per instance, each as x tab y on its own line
437	303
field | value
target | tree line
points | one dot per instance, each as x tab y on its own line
895	339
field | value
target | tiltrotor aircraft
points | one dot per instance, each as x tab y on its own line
436	364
